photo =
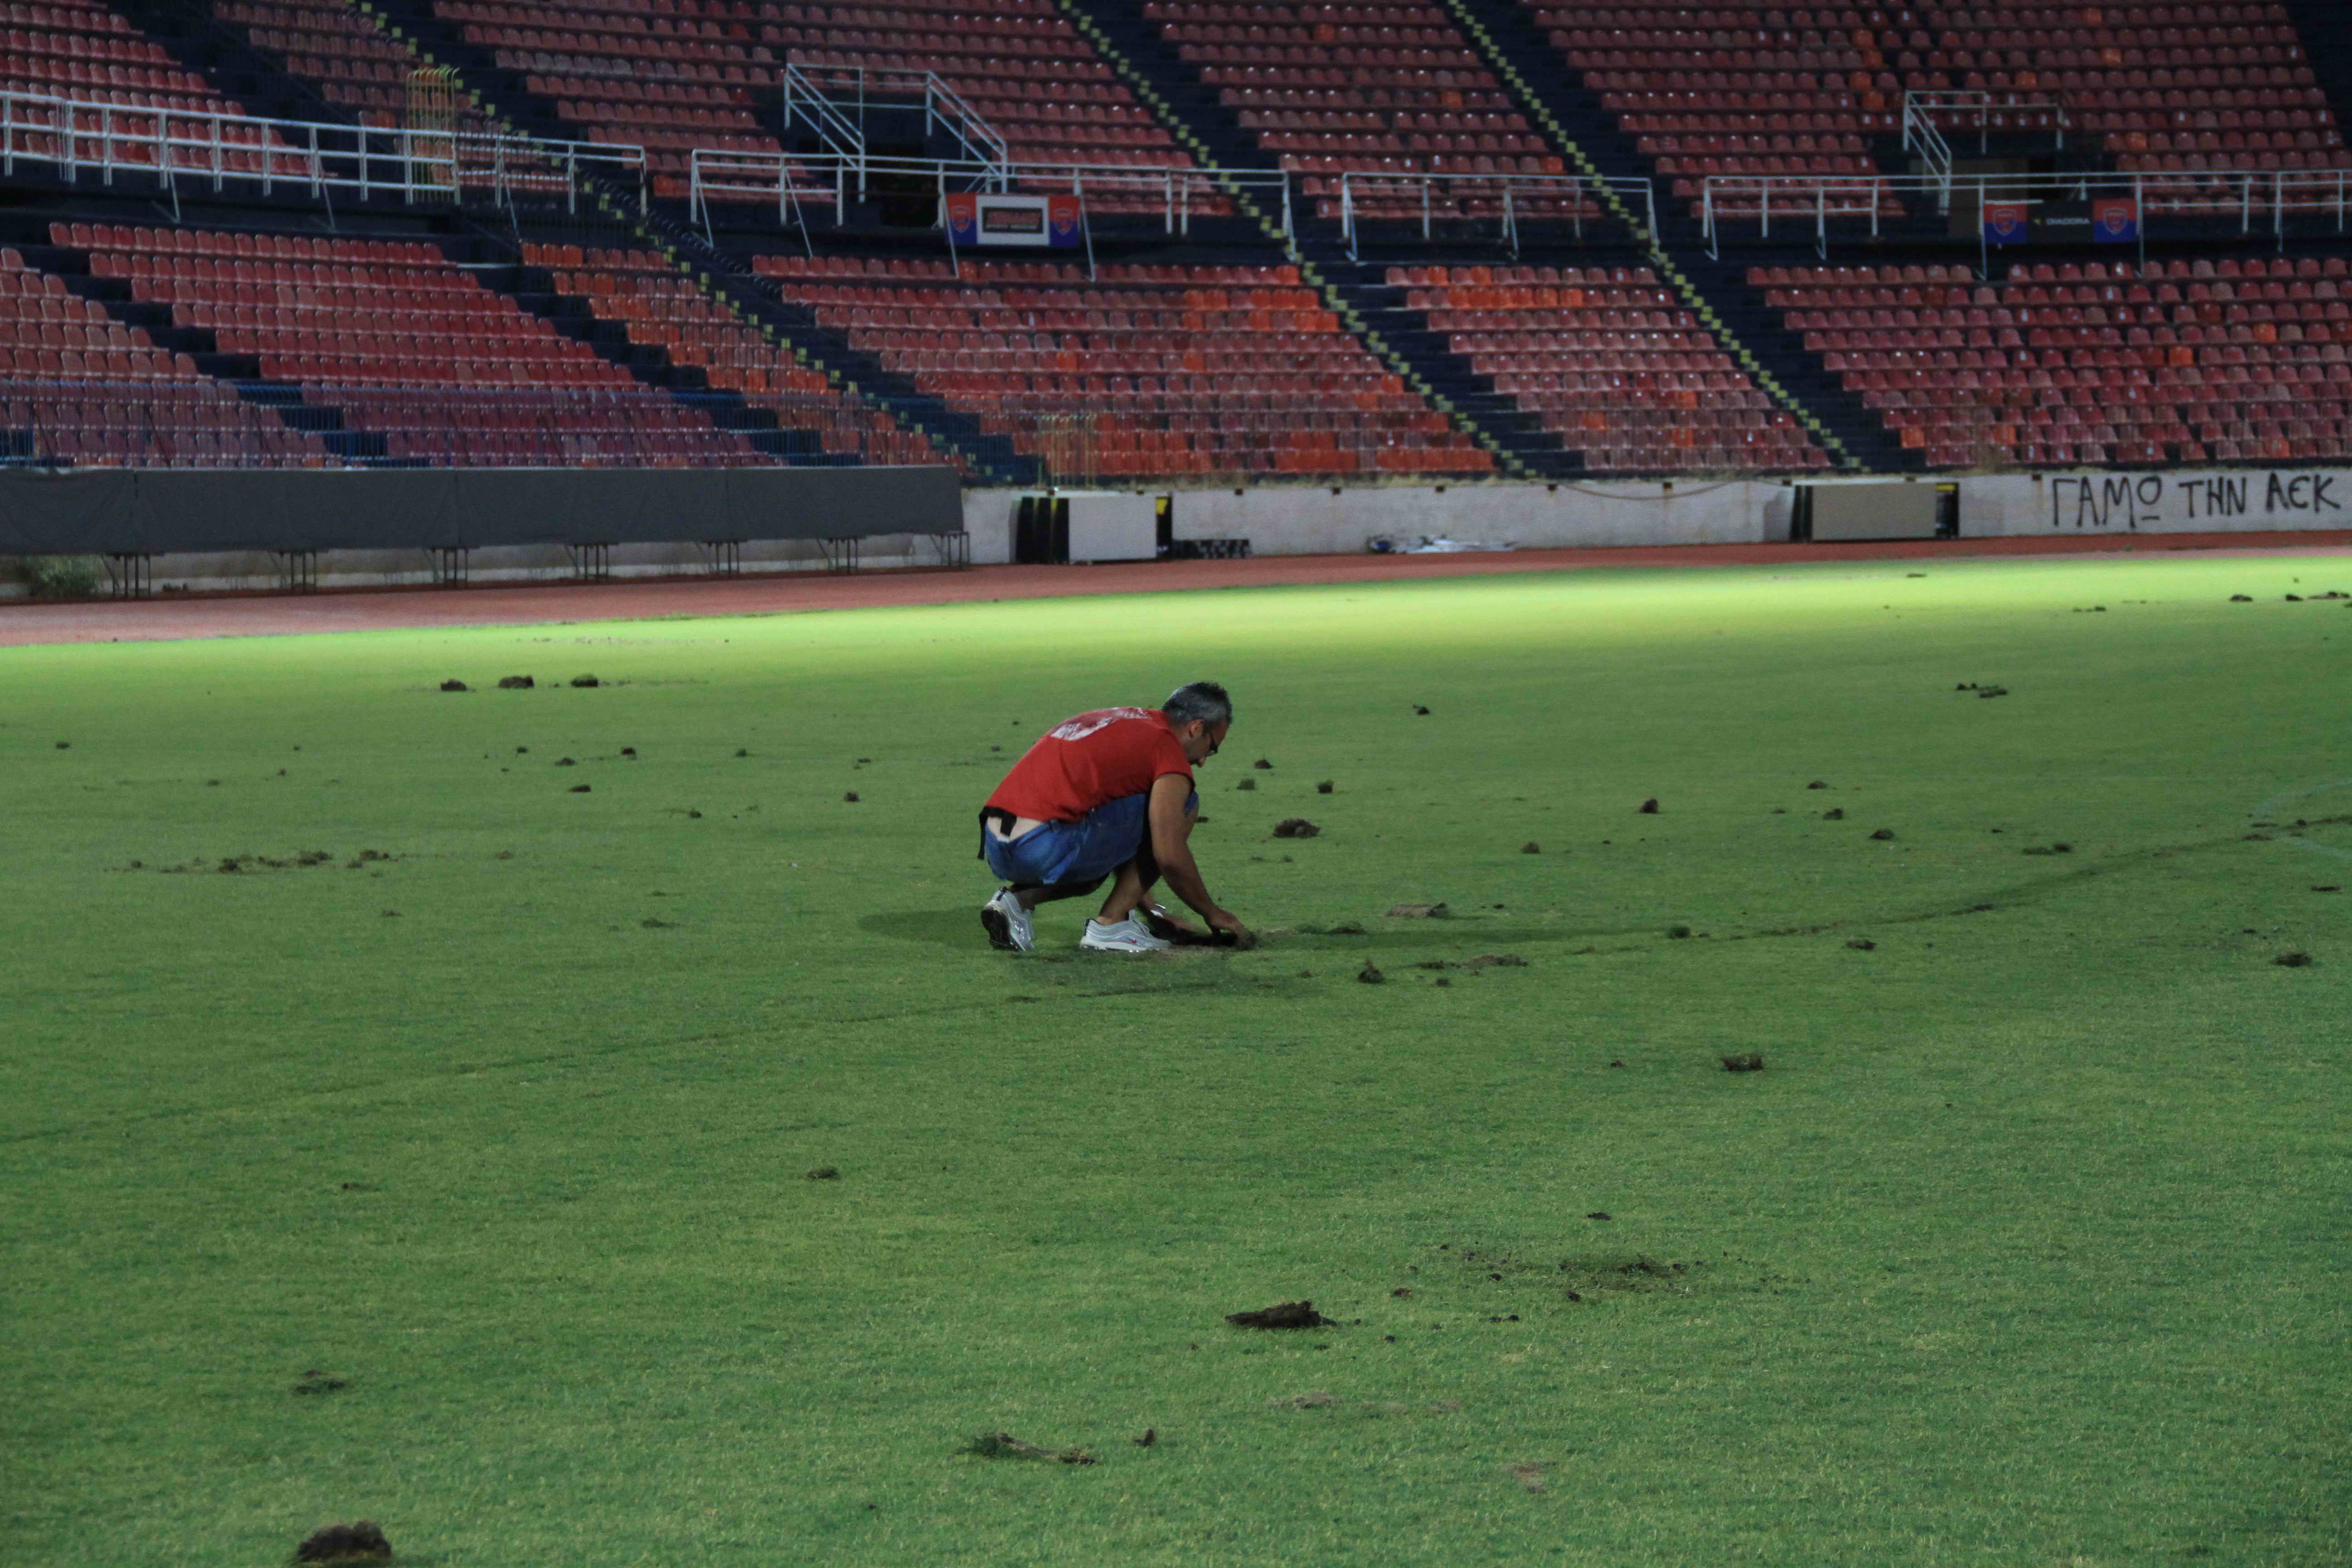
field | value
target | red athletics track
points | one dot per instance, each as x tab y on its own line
371	609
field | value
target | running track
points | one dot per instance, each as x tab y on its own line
24	623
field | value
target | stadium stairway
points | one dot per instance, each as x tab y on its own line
1552	94
2325	28
1171	86
240	373
223	53
533	288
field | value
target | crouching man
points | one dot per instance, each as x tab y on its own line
1107	794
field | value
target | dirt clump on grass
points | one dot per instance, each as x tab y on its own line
1313	1399
1282	1315
361	1542
823	1174
1246	784
455	686
1417	911
1263	765
1005	1445
1150	1436
1531	848
580	789
1294	828
1324	787
1992	691
849	797
1744	1061
516	683
1648	807
1883	835
1495	961
2049	849
1530	1474
1420	711
585	681
1862	944
1835	813
1678	933
315	1382
1369	974
2292	960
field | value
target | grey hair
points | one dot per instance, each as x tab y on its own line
1203	700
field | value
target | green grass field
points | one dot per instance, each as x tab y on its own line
2028	1244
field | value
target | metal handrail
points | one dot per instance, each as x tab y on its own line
789	180
802	98
1922	135
317	157
2210	191
887	86
1511	189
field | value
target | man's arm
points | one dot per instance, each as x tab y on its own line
1172	833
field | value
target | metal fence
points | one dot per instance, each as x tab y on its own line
2254	201
111	142
1481	203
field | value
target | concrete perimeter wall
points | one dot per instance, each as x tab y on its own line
1295	519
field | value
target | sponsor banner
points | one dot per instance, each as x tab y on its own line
982	217
2063	223
2007	222
1065	222
2114	220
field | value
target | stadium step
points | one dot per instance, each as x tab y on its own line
502	94
241	373
1169	84
1552	94
2325	28
534	288
224	55
1778	361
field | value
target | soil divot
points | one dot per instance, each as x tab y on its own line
1420	711
2292	960
849	797
1246	784
1417	911
1369	974
2241	598
1324	787
317	1382
1835	813
1531	848
585	681
359	1542
1743	1061
2326	887
1294	828
823	1174
516	683
1150	1436
2052	849
1648	807
1495	961
1313	1399
1005	1445
1282	1315
1883	835
630	752
1862	944
1992	691
1598	1214
1531	1473
580	789
455	686
1262	766
1819	783
1678	933
566	763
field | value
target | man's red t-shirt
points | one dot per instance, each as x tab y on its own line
1082	762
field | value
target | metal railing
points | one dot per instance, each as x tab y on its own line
1507	200
2251	198
419	167
839	96
1923	110
788	182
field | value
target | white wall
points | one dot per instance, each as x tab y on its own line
2206	502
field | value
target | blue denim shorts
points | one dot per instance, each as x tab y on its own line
1086	850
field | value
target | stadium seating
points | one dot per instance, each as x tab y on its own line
350	59
657	305
1381	88
1151	372
81	50
1611	361
2063	363
80	388
667	75
1019	63
409	345
1756	87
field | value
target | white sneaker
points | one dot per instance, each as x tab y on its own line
1007	922
1127	936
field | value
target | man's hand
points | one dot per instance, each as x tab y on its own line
1225	921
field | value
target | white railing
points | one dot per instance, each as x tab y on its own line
170	145
2250	196
789	183
1375	195
842	135
1923	134
843	94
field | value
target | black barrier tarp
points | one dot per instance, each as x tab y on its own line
161	512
